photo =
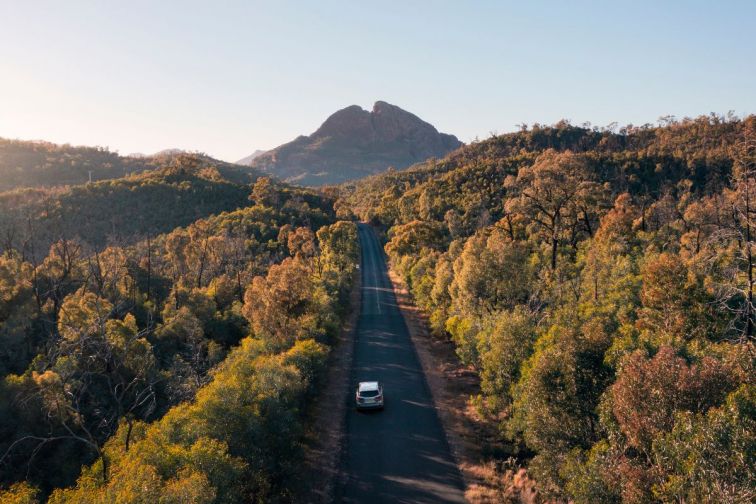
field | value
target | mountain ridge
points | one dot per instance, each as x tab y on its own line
353	143
247	160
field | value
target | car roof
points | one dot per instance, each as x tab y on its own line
368	385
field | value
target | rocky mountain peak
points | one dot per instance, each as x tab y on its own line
347	121
353	143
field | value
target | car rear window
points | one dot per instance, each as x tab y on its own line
368	393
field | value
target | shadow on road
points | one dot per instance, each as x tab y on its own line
399	454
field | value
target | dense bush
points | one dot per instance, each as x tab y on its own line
176	191
175	368
601	285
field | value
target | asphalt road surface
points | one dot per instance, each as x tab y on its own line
400	454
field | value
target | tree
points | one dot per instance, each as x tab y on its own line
301	243
181	340
593	475
553	195
648	393
492	273
103	371
557	396
339	250
411	238
711	457
309	357
676	307
16	314
285	306
59	274
20	493
265	193
610	277
731	253
503	348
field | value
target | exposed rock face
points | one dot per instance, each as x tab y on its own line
354	143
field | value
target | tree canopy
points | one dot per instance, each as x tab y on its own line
600	283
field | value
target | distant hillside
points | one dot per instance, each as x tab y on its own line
31	164
248	159
354	143
44	164
470	180
180	190
163	152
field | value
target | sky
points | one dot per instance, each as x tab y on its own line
227	78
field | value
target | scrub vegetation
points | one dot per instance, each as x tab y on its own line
176	367
161	333
600	283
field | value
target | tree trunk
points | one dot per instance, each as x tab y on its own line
749	255
510	227
587	222
128	434
149	265
104	467
554	248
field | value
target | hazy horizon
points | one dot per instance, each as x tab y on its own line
229	80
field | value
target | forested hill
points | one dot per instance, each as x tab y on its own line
178	191
32	164
600	285
642	159
45	164
171	367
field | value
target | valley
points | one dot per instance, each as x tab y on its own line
163	332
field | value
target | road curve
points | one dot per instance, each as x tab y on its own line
400	454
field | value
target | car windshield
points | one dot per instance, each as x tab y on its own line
368	393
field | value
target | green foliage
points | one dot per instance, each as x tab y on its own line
29	164
599	284
589	475
711	457
493	273
20	493
556	398
136	361
502	349
413	237
339	247
309	357
16	313
463	332
176	193
287	305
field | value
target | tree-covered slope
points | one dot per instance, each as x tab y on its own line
180	190
177	367
601	286
640	159
32	164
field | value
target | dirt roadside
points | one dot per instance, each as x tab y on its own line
452	386
324	432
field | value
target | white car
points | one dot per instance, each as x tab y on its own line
369	395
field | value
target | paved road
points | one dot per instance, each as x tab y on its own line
400	454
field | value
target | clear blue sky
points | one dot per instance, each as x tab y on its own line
227	78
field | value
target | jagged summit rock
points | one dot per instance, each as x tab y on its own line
353	143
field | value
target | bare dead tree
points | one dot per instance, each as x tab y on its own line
731	247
